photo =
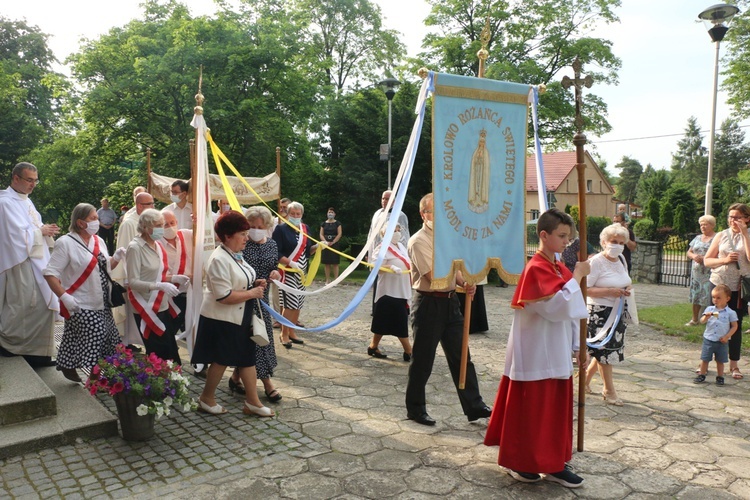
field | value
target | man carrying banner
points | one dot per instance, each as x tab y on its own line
436	318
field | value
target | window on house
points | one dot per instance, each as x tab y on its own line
589	185
534	214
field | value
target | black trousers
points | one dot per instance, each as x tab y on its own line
438	320
165	345
108	235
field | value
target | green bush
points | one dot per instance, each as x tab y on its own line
594	226
645	229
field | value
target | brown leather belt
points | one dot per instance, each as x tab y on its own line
442	295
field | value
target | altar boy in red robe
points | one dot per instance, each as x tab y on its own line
533	417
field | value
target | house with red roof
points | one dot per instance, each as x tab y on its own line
561	178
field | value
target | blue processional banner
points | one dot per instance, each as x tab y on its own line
478	168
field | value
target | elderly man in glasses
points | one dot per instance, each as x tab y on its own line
27	304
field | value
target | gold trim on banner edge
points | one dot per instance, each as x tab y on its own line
484	95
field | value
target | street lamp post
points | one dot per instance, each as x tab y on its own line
717	19
389	86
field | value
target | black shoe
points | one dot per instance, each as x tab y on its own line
566	477
236	387
273	396
71	374
423	418
288	345
719	380
296	341
480	413
699	379
134	348
200	373
376	353
407	357
524	477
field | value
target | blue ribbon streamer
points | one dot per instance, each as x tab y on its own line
612	329
400	189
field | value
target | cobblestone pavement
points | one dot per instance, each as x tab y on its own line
341	431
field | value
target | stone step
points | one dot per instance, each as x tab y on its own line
77	414
23	395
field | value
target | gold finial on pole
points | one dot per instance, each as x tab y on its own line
198	110
483	53
423	72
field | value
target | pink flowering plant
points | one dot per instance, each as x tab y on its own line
159	382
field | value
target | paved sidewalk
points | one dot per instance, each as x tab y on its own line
341	431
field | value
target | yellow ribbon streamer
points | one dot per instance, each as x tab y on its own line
232	199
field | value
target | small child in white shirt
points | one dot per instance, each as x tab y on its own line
721	323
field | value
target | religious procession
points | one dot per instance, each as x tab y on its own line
179	307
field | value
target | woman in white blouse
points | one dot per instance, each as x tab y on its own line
609	286
225	324
152	288
76	273
391	312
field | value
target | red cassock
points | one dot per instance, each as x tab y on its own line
532	420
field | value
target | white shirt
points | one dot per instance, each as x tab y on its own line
175	251
69	260
544	335
143	269
607	274
183	215
394	285
403	222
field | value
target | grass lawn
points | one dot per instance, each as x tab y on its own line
671	320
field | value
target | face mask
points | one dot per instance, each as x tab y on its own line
122	212
175	198
257	234
614	250
396	237
295	220
157	233
331	215
92	227
170	232
238	256
428	223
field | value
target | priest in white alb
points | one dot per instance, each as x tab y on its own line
27	305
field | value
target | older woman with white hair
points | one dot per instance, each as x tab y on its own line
294	250
151	288
262	255
609	286
700	283
78	274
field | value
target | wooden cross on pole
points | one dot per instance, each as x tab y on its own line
579	82
579	139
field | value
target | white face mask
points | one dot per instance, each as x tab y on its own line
396	237
257	234
170	232
614	250
175	198
295	220
157	233
331	215
428	223
92	227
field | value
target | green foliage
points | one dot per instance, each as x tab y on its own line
653	211
690	161
666	215
731	154
531	41
630	172
645	229
594	227
679	210
30	92
735	72
575	213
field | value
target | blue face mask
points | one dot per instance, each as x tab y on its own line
295	220
157	233
238	256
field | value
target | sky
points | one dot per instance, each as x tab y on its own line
666	75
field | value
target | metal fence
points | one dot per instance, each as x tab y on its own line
674	264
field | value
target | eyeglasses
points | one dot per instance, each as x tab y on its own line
32	181
736	217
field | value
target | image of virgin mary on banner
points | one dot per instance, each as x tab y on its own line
478	169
